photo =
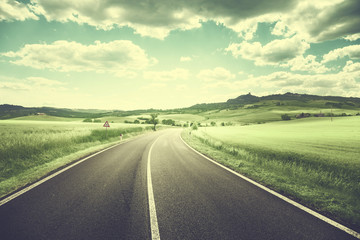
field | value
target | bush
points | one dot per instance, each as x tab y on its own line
87	120
285	117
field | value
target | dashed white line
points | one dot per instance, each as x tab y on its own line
155	234
298	205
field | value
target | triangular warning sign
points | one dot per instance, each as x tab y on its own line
106	124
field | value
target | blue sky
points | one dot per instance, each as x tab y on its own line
165	54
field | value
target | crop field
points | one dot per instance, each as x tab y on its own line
313	160
30	149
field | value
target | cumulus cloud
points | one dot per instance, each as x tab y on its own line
343	83
273	53
352	67
115	57
176	74
352	51
157	18
324	20
306	64
216	74
315	21
11	10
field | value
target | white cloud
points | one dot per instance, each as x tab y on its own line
14	86
343	83
352	67
40	81
13	10
176	74
216	74
185	59
352	51
273	53
352	37
307	64
116	57
280	29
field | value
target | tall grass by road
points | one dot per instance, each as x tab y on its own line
31	149
314	161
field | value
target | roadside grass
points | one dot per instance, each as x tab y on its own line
32	149
314	161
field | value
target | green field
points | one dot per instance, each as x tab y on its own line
313	160
266	113
30	149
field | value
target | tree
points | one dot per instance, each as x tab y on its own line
154	119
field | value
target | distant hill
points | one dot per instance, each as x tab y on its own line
289	99
12	111
244	101
8	111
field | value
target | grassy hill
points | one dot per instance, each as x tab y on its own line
244	109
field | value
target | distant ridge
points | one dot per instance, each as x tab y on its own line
284	99
8	111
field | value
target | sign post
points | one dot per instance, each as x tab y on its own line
106	125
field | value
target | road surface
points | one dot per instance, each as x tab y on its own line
107	197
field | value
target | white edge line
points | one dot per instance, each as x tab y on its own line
298	205
155	234
18	193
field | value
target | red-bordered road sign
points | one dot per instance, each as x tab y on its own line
106	124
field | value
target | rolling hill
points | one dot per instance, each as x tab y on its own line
244	109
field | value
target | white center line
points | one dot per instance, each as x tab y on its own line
155	234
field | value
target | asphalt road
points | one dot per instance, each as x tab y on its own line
106	197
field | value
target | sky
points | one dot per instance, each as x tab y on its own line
164	54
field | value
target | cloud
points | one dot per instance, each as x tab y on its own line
343	83
185	59
352	51
352	37
216	74
314	21
352	67
116	57
323	20
306	64
11	10
273	53
157	18
40	81
176	74
14	86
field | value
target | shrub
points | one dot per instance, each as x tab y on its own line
285	117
